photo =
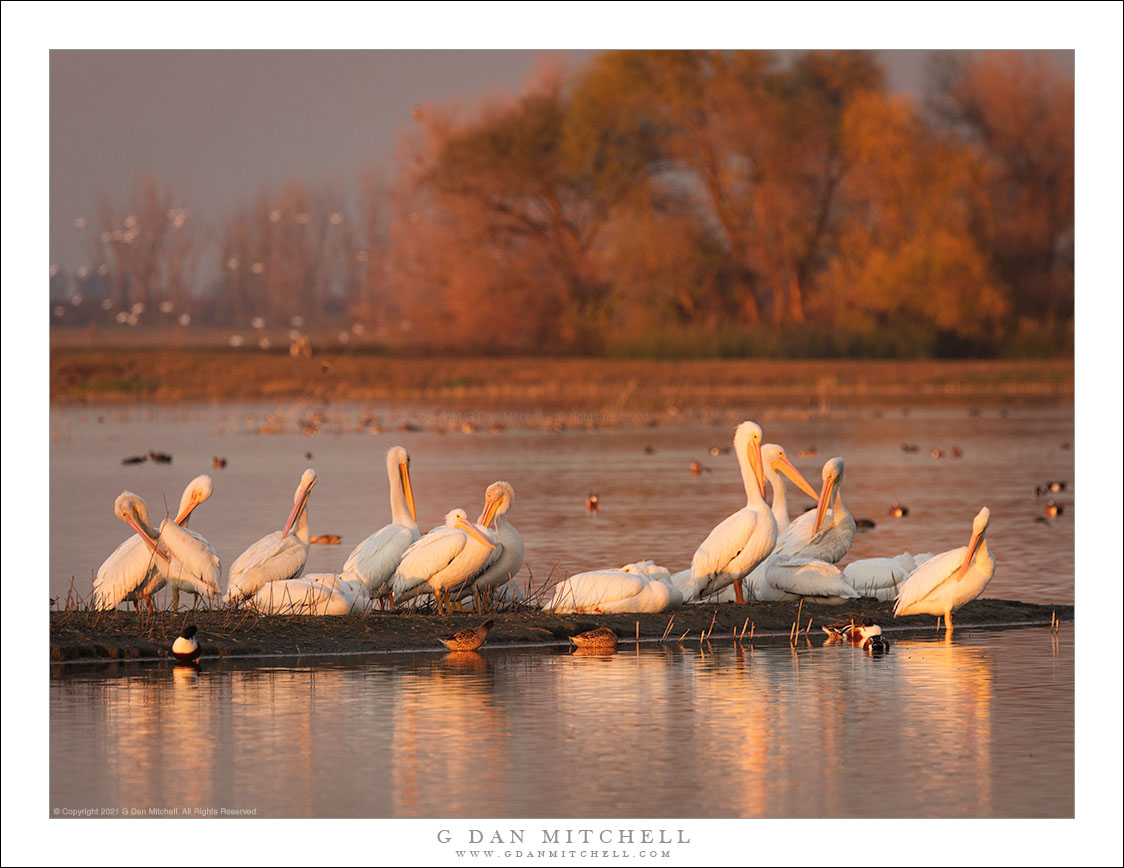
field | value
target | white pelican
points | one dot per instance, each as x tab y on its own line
812	535
186	647
506	559
278	556
202	567
881	578
742	540
637	587
312	594
442	560
949	580
133	571
792	578
377	557
776	462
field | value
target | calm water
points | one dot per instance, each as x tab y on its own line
652	506
981	727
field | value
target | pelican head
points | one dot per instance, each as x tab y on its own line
131	509
458	518
979	528
300	498
775	457
747	441
497	500
832	479
198	490
398	461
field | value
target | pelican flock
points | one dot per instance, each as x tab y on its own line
755	552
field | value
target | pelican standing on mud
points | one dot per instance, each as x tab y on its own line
202	567
277	556
506	559
442	560
132	572
742	540
377	557
949	580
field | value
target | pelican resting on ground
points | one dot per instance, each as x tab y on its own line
277	556
793	578
882	578
949	580
742	540
377	557
443	560
312	594
636	587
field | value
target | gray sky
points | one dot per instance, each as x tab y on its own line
219	126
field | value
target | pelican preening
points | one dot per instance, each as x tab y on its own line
278	556
132	572
377	557
949	580
149	559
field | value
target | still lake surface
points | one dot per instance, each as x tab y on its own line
981	727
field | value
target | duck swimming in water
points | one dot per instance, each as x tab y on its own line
186	648
602	637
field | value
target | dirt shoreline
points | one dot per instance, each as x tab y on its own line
119	635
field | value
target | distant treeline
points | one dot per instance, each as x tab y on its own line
694	203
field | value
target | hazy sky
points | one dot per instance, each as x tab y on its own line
218	126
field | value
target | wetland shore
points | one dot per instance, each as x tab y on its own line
121	635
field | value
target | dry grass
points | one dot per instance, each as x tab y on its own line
593	386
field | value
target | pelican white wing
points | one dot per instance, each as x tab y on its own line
273	558
613	591
195	564
378	556
806	577
313	594
426	559
880	578
128	573
924	580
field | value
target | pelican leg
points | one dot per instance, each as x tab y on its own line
175	598
148	604
739	594
948	622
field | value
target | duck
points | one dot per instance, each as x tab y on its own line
592	503
186	648
602	637
467	640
